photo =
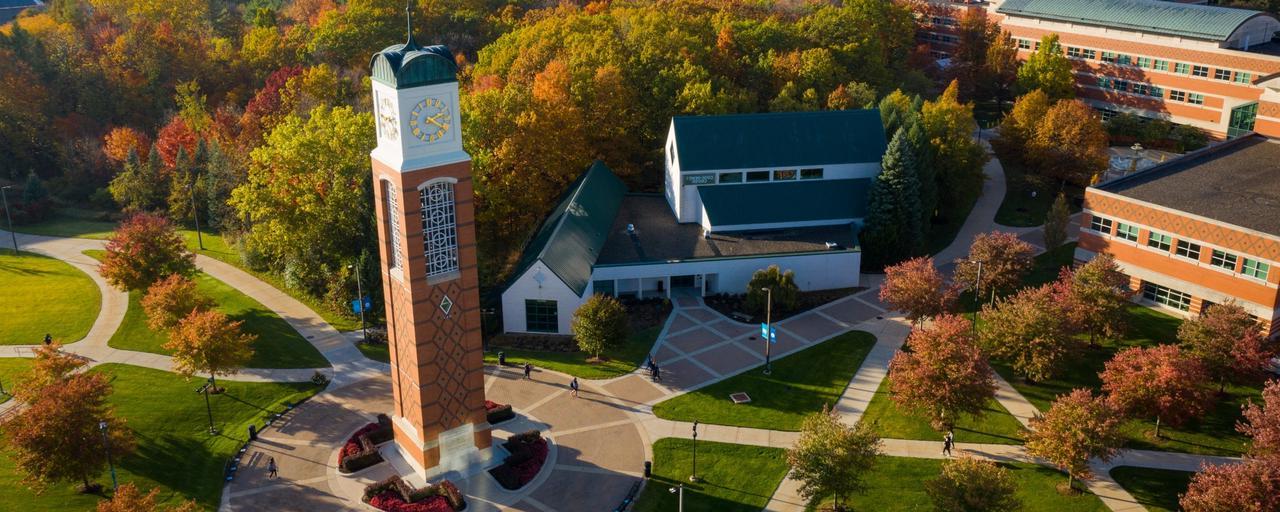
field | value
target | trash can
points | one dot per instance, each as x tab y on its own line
253	432
502	358
648	469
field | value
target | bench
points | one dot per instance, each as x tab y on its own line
741	317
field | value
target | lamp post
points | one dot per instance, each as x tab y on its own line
694	477
977	298
364	335
768	336
9	219
195	214
679	491
106	445
208	408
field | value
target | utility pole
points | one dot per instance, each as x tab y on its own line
12	235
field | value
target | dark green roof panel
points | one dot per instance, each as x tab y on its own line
569	241
409	65
778	139
1207	22
787	201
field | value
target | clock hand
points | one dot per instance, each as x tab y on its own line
433	120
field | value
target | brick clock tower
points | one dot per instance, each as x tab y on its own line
426	229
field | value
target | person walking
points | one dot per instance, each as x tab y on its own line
573	387
48	339
271	467
948	442
657	373
528	370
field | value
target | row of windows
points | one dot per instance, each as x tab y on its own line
1116	84
1167	296
945	21
1120	59
1184	248
753	176
1193	98
941	38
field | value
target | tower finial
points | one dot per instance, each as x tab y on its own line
411	44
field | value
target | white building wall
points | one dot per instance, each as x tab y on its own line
527	287
672	166
814	271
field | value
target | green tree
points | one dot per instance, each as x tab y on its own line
897	110
892	230
772	283
958	156
1049	70
599	323
1055	223
139	186
969	484
926	172
830	459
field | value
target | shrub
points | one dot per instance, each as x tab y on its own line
783	284
599	323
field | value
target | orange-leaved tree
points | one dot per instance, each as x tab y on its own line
209	342
943	373
1077	427
171	299
144	249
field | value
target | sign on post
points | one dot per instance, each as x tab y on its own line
360	306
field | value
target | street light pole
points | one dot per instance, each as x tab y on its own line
679	491
768	338
977	296
9	219
106	445
364	335
694	477
208	408
191	187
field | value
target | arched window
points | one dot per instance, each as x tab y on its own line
439	228
391	208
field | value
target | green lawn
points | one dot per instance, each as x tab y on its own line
1156	489
42	295
619	360
1019	209
734	477
278	344
69	222
376	351
10	369
174	451
897	484
800	385
994	426
942	234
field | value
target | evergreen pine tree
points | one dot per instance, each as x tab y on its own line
925	173
138	186
33	191
892	230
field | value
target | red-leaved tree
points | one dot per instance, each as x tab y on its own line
943	374
1005	258
1031	331
1251	486
1262	422
916	288
1158	382
1095	295
176	135
1078	426
1230	344
171	299
144	249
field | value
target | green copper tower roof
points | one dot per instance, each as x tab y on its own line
410	65
1152	16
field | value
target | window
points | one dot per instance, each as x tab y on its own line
699	179
1167	296
1159	241
1243	78
541	316
671	153
604	287
730	177
1223	259
1200	71
439	228
757	176
1188	250
1195	98
1142	89
1090	54
1144	62
784	175
1100	225
1024	44
1120	85
1156	91
1074	52
1104	82
1255	268
1127	232
1124	60
1109	57
1182	68
1222	74
391	209
1160	65
1177	96
810	174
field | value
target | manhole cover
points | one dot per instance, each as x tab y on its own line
740	398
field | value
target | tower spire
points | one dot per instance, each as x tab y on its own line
411	44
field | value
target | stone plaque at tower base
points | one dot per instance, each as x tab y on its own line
454	452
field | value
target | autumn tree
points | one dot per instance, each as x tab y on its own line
142	250
127	498
123	140
774	284
916	288
977	33
1002	68
1157	382
1048	70
1252	485
1096	296
969	484
1230	344
56	437
1077	427
599	323
897	111
139	186
942	373
1070	143
892	230
959	158
171	299
1019	126
1056	222
50	367
1261	422
831	458
209	342
1031	331
1005	260
175	136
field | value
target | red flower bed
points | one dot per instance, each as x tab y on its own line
490	405
353	443
391	501
528	469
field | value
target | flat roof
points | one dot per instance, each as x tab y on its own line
660	238
1235	182
1208	22
778	139
785	201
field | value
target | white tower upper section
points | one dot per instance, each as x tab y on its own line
415	107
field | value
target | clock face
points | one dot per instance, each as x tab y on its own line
387	119
430	120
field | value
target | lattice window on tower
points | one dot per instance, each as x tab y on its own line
391	205
439	228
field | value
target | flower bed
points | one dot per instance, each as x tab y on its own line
395	495
361	449
528	453
497	413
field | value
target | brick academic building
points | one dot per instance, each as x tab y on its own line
1212	67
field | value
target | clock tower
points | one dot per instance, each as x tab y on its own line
426	229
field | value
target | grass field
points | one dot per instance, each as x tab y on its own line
994	426
1020	208
10	369
40	295
1156	489
278	344
619	360
174	451
734	477
376	351
800	385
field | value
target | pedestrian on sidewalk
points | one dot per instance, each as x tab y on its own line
528	370
271	467
657	373
48	339
573	387
948	442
